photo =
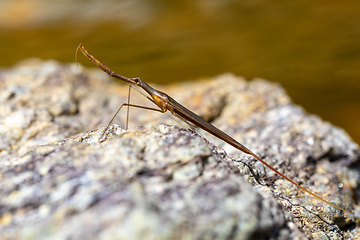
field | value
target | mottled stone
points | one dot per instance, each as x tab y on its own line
160	181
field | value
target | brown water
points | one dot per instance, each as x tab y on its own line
311	47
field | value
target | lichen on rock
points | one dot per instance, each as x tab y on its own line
158	179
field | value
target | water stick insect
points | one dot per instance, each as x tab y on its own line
167	103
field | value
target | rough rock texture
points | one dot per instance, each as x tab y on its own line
160	181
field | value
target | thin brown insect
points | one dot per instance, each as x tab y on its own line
167	103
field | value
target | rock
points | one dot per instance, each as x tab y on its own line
160	181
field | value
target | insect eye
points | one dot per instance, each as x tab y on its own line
137	80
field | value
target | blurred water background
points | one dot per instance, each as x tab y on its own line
311	47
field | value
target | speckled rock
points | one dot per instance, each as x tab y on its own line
160	181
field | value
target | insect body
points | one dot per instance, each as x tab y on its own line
167	103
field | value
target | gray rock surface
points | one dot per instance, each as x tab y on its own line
160	181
